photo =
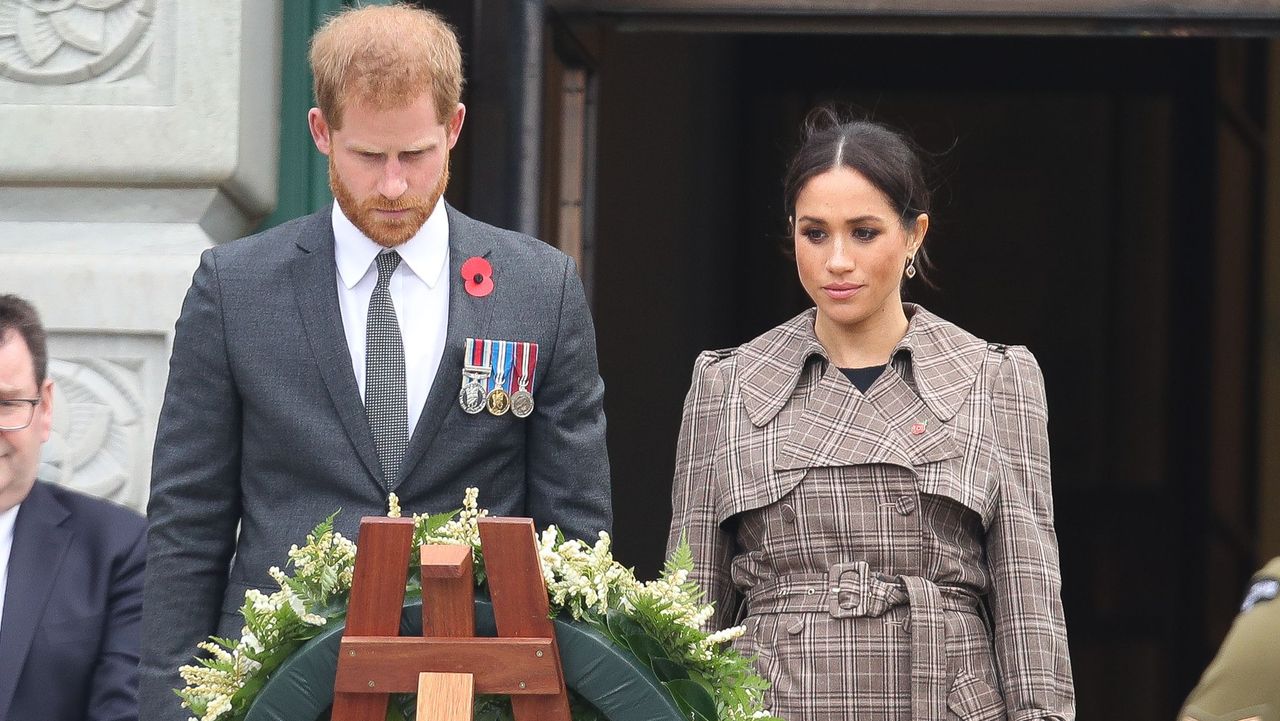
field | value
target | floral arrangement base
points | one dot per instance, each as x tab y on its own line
602	674
634	650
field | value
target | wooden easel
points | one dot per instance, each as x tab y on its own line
448	664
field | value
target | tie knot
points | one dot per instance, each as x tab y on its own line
387	264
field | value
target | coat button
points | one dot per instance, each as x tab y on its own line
788	514
906	505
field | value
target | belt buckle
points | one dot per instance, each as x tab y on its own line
845	601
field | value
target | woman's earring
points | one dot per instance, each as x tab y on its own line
911	266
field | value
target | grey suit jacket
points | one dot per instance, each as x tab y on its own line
263	427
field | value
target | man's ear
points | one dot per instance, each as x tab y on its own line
455	124
45	420
319	130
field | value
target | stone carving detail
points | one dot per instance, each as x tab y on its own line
60	42
98	434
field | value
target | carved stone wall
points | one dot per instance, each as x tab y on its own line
122	47
105	387
137	133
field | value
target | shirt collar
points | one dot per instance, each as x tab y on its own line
7	519
425	253
941	359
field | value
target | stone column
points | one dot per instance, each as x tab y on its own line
133	135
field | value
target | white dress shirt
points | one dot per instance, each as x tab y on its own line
6	545
419	290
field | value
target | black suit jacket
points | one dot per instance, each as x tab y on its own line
263	432
69	638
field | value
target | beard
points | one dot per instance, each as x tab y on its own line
387	232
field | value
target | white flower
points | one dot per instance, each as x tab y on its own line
725	635
259	601
219	706
250	641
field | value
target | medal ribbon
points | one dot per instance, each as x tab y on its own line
502	358
528	365
509	365
522	360
475	354
488	363
498	361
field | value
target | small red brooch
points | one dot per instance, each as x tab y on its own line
477	277
917	429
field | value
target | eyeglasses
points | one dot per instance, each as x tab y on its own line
17	413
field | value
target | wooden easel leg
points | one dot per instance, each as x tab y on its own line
445	697
377	595
520	605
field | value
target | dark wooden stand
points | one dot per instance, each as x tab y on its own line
448	664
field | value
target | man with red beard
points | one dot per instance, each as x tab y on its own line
385	344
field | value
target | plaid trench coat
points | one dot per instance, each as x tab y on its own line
892	555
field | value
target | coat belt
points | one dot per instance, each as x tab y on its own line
851	590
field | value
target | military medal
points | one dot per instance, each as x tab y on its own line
498	376
527	360
474	374
471	397
498	401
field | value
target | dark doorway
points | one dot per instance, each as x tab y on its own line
1081	212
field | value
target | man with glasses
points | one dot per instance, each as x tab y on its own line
71	566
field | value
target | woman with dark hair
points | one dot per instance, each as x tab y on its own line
866	487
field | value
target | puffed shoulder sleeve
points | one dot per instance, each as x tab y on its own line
1022	550
693	493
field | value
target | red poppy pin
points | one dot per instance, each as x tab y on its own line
917	429
477	277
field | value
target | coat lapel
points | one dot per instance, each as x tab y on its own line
913	426
944	361
898	421
469	317
839	427
39	545
315	275
773	364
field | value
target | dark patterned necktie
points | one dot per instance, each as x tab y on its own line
384	383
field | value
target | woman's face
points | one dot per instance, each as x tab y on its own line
851	248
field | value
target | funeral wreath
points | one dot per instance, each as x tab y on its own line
659	622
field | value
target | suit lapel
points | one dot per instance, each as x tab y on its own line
469	317
39	545
315	275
